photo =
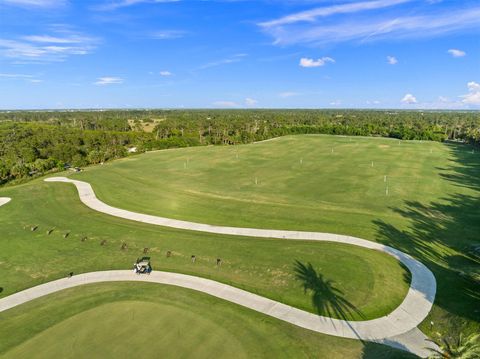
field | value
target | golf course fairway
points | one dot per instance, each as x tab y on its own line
418	197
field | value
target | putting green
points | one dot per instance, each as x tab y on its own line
128	329
125	320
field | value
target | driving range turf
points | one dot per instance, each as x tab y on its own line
320	183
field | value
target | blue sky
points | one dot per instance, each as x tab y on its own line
269	54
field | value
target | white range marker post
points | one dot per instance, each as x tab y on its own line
332	150
256	180
386	191
372	163
184	165
301	161
384	178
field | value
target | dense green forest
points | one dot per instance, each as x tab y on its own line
36	142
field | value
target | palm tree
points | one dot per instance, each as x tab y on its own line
459	348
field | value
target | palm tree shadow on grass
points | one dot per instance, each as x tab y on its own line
330	301
326	298
443	235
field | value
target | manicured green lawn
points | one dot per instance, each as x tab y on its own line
301	184
372	281
432	209
127	320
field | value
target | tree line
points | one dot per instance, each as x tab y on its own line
36	142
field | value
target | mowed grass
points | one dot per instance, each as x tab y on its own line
373	282
293	182
127	320
321	183
420	197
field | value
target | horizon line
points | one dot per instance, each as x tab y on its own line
93	109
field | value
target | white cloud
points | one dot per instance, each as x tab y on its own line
473	86
473	96
287	94
336	103
225	104
456	53
102	81
35	3
432	21
16	76
113	5
168	34
392	60
47	48
165	73
306	62
21	77
71	39
441	103
22	50
409	99
226	61
250	102
313	14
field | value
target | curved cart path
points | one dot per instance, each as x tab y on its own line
413	341
4	200
398	329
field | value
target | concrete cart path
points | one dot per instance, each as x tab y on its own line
4	200
396	329
413	341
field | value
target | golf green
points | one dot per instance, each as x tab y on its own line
125	320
